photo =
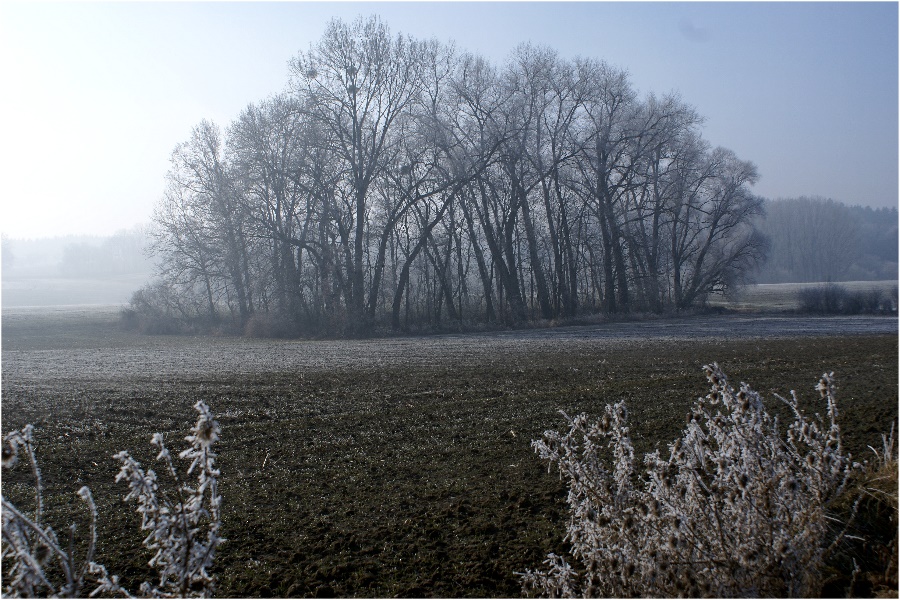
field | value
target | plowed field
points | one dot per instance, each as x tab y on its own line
397	467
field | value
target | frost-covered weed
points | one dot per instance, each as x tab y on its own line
183	525
39	564
734	508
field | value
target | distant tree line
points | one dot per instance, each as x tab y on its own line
79	257
400	184
120	254
821	240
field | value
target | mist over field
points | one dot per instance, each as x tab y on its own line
380	288
75	270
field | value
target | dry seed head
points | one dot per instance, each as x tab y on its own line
676	449
10	453
604	424
205	432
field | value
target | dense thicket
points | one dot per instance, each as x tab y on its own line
400	183
818	239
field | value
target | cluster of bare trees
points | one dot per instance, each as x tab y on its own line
400	183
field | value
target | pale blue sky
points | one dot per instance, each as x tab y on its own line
96	95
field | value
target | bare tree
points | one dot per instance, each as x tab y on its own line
360	82
713	240
276	162
607	167
668	126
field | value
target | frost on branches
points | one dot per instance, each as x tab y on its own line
734	509
183	525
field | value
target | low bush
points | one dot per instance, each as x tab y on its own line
835	299
160	309
271	325
828	298
183	525
736	508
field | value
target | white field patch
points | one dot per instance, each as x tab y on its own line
60	291
42	346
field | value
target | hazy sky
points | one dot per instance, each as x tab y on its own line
96	95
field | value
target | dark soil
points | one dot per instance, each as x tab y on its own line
410	473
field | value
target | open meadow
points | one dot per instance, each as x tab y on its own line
399	466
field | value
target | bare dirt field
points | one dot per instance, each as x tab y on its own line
392	467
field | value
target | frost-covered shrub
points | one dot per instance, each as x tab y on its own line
183	525
735	507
